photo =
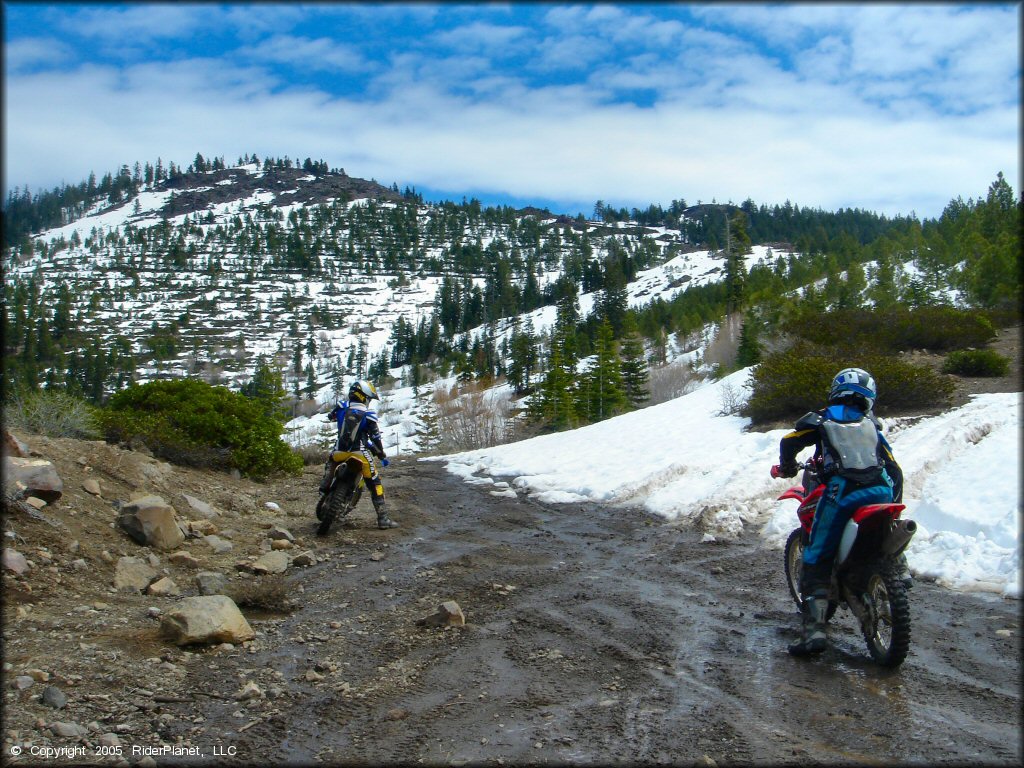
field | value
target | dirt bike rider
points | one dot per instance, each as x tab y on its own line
858	467
358	431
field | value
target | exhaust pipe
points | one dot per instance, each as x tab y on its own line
900	534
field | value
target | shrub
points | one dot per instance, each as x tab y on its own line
190	422
976	362
271	593
53	413
790	383
894	330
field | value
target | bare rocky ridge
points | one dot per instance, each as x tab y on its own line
487	629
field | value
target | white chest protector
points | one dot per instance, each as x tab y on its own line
853	444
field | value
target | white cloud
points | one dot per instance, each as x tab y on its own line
573	53
319	54
134	23
481	36
31	52
802	118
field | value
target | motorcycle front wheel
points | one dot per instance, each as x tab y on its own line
336	505
887	628
794	556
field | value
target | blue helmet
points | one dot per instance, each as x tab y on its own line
853	384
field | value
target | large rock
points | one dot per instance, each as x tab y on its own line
14	561
278	532
206	619
69	730
272	562
33	477
449	614
201	528
183	559
133	574
211	583
150	520
12	446
164	587
200	507
217	544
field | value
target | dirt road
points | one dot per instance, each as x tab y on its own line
593	636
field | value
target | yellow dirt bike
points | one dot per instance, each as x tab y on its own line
344	491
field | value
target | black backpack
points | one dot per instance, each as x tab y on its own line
349	425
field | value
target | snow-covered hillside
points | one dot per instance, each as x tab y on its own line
211	279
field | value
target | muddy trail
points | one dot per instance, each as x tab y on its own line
593	635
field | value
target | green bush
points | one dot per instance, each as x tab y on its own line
789	384
976	362
53	413
192	423
894	330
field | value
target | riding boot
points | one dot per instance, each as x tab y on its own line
325	484
383	521
903	568
814	639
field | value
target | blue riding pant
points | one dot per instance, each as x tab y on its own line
834	510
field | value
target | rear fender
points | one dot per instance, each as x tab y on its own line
865	517
352	462
885	512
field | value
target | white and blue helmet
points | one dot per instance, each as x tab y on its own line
853	384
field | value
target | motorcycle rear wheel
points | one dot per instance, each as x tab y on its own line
887	631
337	505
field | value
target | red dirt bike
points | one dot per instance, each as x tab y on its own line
866	574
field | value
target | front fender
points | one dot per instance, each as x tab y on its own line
796	492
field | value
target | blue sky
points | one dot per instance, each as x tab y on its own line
895	108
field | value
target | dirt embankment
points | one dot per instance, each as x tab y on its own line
593	635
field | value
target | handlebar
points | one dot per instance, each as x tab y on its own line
810	464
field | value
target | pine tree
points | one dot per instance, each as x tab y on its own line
613	300
522	358
428	428
310	380
635	372
266	387
737	246
554	404
749	351
603	389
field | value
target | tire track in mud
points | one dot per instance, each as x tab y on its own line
596	635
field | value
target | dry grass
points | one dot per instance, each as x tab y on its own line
471	417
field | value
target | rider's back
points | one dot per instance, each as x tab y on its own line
352	417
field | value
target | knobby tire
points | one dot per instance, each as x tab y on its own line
335	506
888	637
